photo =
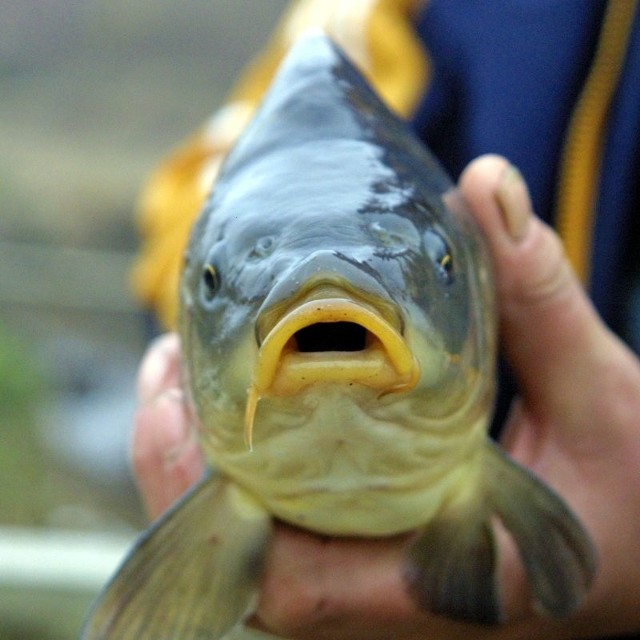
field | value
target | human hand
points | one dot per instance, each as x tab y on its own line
575	425
165	453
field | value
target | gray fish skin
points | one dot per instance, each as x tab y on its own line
339	332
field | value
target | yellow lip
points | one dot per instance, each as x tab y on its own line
383	361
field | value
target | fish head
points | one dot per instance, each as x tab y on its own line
334	250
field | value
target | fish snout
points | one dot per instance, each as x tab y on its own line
322	267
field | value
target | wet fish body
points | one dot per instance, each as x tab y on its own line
338	327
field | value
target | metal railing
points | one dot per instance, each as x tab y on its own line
48	578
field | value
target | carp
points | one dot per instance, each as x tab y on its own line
339	337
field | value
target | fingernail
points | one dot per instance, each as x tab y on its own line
515	203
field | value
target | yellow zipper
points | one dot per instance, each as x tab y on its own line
581	160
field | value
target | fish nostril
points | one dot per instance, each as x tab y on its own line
331	336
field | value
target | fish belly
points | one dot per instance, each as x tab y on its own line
335	469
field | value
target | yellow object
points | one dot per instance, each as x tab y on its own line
380	37
580	167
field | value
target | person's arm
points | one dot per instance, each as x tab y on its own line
576	424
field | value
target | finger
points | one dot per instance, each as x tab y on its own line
317	587
551	334
160	367
165	454
577	420
166	458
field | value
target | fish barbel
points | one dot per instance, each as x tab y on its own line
339	334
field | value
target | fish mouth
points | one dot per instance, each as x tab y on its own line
330	335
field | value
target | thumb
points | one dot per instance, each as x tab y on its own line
554	341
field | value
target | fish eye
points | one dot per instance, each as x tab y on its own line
210	281
438	251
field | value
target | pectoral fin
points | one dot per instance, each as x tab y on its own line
557	553
192	575
450	568
451	565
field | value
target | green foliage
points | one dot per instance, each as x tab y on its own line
20	381
21	389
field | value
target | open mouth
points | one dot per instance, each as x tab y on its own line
330	336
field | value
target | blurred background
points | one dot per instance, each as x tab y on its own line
92	94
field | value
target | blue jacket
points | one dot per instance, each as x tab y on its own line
510	85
